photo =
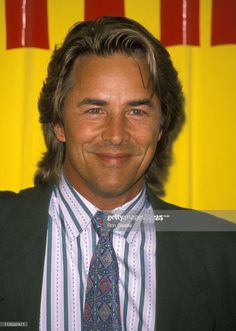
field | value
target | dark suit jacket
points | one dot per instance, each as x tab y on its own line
196	272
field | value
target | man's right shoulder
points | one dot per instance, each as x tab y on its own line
7	201
10	197
10	201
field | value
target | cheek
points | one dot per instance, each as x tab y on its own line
147	138
79	133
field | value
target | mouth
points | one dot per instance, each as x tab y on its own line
114	158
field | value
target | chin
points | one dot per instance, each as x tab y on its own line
113	190
110	192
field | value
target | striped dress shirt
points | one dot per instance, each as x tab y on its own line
71	241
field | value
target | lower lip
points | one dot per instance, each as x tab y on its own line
119	160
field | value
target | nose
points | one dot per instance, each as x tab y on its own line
116	131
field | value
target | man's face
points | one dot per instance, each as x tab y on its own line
111	128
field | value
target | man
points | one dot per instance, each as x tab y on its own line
109	108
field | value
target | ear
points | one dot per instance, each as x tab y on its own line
59	132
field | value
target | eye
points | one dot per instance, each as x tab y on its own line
137	112
94	111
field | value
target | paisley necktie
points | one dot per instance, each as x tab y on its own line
102	303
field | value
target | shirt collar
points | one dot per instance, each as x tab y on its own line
130	216
77	211
74	209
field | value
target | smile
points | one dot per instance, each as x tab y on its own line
114	158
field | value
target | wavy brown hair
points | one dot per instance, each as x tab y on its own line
103	37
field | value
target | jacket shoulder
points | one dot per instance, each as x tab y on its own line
7	198
7	201
159	204
12	201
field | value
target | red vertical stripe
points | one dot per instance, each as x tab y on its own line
96	8
180	22
26	23
223	22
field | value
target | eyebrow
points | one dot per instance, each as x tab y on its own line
141	102
100	102
92	101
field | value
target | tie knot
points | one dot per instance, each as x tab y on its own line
101	223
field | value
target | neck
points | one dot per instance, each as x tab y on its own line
107	201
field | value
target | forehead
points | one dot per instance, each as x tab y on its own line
124	70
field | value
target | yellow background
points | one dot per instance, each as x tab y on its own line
203	173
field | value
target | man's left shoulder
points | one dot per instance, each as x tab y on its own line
181	219
159	204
